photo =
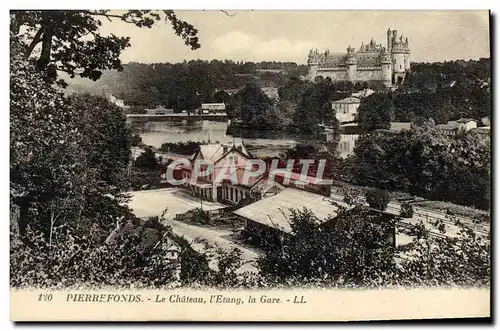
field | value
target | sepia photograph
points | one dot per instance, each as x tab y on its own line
250	165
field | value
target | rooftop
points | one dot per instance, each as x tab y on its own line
276	210
152	203
450	126
466	120
348	100
296	177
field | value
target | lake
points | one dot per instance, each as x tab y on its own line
260	143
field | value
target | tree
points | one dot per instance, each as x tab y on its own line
406	210
105	155
376	112
147	160
315	109
44	156
64	40
185	148
136	141
254	106
351	248
378	199
426	162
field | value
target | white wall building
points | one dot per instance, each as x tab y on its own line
346	109
214	107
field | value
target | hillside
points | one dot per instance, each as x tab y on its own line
184	85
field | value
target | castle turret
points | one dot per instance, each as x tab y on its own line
313	63
400	57
351	64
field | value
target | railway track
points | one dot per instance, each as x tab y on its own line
426	215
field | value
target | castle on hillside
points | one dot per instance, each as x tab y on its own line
371	63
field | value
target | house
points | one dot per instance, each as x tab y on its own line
346	144
228	178
220	157
485	121
267	220
466	124
452	127
253	188
229	91
213	108
346	109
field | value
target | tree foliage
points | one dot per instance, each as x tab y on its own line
147	160
427	163
70	40
184	148
442	91
376	111
378	199
353	250
254	107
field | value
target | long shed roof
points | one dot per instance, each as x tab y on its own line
276	210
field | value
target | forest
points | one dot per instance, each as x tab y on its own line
442	91
427	163
184	86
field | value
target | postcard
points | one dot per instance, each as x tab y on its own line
231	165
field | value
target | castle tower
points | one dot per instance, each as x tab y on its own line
386	62
351	64
407	55
313	63
398	52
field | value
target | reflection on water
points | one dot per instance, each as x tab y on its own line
260	143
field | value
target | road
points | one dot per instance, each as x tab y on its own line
213	236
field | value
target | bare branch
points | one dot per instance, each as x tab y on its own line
225	12
109	16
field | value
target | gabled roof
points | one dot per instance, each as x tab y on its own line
466	120
211	152
234	149
214	152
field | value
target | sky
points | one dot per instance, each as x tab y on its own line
289	35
